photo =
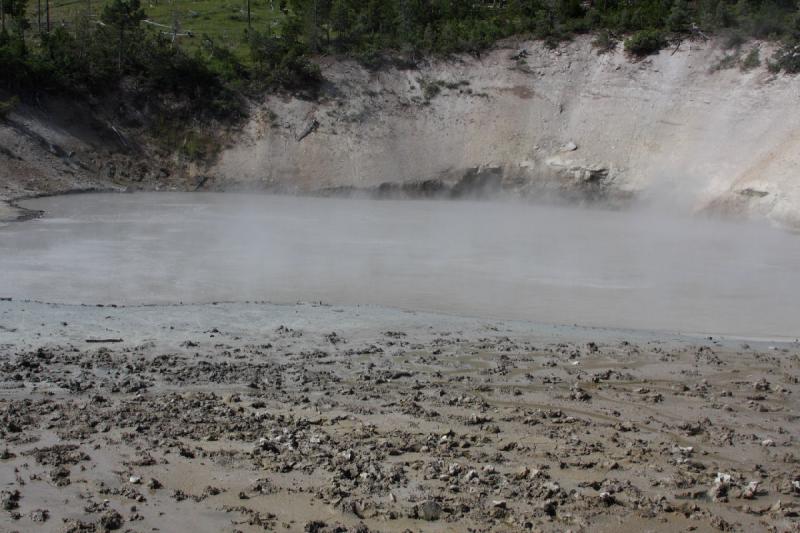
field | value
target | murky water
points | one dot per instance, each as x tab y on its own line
547	264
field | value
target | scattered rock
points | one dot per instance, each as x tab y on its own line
111	520
429	510
569	147
10	499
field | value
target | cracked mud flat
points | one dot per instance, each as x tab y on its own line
258	417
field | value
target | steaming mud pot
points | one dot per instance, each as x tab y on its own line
632	269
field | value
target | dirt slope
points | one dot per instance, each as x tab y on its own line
51	146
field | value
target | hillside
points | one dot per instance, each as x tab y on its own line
688	104
566	123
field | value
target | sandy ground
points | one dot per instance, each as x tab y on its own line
256	417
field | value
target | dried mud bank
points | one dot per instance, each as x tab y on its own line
256	417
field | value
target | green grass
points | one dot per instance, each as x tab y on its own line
221	20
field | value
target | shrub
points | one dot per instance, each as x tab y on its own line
7	106
723	16
678	19
604	42
281	63
430	89
734	39
751	60
645	42
768	22
726	62
787	59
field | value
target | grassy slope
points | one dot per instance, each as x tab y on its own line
224	21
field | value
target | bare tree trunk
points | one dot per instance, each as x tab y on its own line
315	29
47	9
39	15
3	15
248	15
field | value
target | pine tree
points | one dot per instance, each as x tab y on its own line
341	18
14	16
124	16
406	23
678	19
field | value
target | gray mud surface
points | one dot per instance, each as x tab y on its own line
643	269
259	417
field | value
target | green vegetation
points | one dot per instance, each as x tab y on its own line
604	42
196	58
645	42
787	59
751	60
194	22
430	89
726	62
94	57
7	106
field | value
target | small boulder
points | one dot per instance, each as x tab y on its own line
111	520
429	510
569	147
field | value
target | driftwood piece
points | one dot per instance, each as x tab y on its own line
311	128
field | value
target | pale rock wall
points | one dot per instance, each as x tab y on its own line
668	129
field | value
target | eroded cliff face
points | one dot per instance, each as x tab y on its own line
565	123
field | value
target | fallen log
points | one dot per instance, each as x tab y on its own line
311	128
